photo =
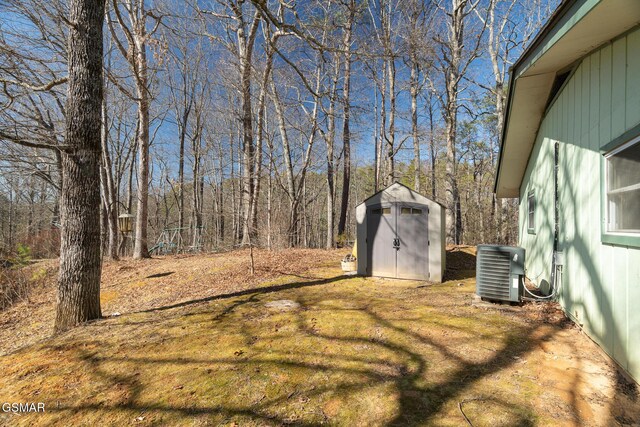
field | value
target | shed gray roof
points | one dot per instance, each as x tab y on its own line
397	185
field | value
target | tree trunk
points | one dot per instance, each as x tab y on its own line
232	178
499	212
453	217
135	54
291	184
198	186
452	79
220	194
377	141
141	249
245	54
247	155
330	142
262	100
269	198
55	218
109	190
305	236
198	183
432	149
132	168
382	148
141	245
78	297
477	178
391	135
11	218
183	136
346	131
414	124
104	225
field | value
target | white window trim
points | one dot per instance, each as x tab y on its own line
531	229
607	156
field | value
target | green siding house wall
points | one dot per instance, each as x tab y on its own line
597	108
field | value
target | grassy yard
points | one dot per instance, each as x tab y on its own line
197	343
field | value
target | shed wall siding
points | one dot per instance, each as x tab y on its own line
600	283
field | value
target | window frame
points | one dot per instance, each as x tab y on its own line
411	210
380	210
531	211
624	141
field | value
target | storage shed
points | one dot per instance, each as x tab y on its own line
401	234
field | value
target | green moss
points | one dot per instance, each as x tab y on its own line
359	351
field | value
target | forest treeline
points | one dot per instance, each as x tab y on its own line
264	123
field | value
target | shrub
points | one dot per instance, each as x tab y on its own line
23	255
17	283
44	243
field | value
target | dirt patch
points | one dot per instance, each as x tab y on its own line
282	305
541	311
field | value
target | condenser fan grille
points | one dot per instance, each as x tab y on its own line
495	272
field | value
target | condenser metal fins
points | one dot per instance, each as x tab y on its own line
500	272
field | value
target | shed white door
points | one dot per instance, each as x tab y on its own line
381	233
412	256
398	243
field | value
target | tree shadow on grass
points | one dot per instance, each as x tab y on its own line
257	290
418	403
404	366
157	275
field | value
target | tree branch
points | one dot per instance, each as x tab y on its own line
41	88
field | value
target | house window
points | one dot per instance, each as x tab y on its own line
623	189
531	209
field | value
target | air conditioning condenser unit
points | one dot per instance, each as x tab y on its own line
500	272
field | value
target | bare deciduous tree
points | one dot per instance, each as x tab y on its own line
457	52
132	19
80	263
